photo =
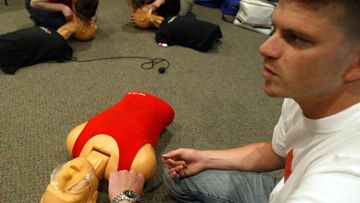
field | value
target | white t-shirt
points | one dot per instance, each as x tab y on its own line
326	156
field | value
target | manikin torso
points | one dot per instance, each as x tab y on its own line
105	138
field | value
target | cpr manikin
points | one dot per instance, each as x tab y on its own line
121	137
177	30
143	17
82	26
79	29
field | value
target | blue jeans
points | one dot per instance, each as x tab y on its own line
48	19
215	186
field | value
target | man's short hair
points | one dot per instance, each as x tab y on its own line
86	8
344	13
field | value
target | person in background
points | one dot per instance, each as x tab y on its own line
313	61
165	8
56	13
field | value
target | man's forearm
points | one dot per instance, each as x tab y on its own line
158	3
46	5
253	157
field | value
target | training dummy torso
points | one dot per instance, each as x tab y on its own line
136	120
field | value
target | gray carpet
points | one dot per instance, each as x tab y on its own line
217	96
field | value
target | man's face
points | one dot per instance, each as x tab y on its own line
306	56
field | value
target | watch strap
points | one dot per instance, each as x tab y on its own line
126	195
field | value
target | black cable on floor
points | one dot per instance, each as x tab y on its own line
150	63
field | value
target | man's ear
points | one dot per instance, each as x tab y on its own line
353	73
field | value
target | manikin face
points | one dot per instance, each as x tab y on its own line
72	173
73	182
142	18
306	57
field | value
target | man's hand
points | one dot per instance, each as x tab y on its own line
154	5
125	180
67	12
158	3
183	162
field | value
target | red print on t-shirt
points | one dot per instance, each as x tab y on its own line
288	163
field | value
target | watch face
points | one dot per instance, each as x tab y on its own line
130	194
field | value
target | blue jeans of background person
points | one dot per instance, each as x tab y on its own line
48	19
215	186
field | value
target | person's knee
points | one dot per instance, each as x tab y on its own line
169	182
177	189
185	7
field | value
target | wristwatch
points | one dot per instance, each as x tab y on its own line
126	195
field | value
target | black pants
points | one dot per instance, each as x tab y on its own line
169	8
48	19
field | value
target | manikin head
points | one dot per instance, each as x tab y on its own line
144	18
72	182
84	11
82	26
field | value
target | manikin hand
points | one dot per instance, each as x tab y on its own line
183	162
125	180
